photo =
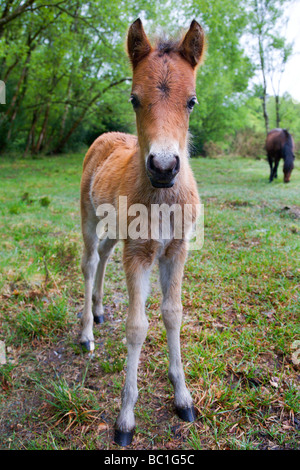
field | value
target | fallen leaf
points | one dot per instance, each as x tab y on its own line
274	382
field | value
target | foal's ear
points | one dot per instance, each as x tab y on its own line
192	46
138	45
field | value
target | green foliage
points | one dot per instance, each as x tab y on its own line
42	320
64	59
68	78
290	115
223	79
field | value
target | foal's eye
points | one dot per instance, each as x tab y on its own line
134	101
191	103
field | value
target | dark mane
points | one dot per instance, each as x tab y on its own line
289	140
166	46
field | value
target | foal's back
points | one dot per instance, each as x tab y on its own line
110	159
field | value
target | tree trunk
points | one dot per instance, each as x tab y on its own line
264	99
265	112
9	70
41	137
14	108
66	111
7	16
277	111
59	147
30	138
19	84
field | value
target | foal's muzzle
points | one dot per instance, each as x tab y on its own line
162	171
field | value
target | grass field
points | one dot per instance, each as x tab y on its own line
240	325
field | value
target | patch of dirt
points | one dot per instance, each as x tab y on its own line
236	204
292	211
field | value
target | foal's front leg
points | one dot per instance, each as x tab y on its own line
137	276
171	270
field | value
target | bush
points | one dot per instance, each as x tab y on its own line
212	149
249	143
245	143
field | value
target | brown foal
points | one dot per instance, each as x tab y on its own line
150	169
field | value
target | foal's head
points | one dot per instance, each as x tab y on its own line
163	96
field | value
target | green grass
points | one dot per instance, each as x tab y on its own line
241	317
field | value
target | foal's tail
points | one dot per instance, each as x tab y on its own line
288	152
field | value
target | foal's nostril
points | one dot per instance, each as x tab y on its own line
177	164
163	166
150	164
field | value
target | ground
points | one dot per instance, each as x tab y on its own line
240	333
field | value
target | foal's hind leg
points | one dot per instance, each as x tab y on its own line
89	264
171	271
105	248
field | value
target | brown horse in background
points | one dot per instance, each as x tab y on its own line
280	144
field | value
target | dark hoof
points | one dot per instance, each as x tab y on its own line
187	414
123	438
98	319
88	346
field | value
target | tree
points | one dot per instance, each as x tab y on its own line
270	51
281	52
223	79
68	78
290	114
60	59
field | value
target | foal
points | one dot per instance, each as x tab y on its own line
152	168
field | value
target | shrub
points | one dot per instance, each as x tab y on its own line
249	143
